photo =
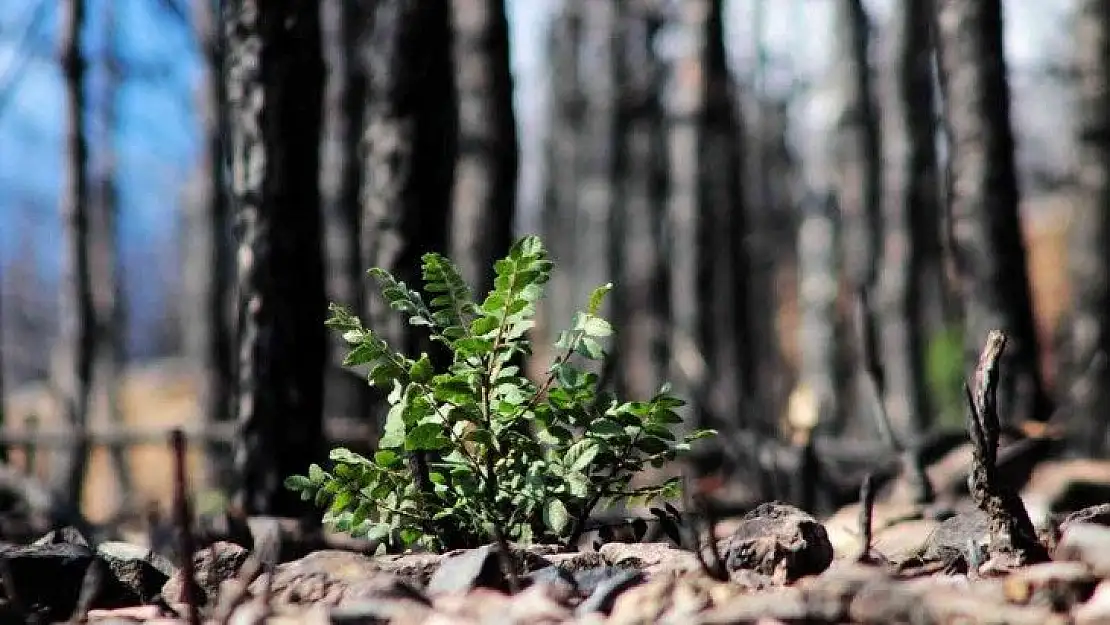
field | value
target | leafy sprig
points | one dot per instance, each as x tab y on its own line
532	460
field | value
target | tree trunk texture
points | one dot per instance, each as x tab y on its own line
984	222
484	202
1089	252
909	213
705	217
592	245
275	76
410	139
856	145
346	395
560	203
208	255
106	268
818	289
78	316
640	292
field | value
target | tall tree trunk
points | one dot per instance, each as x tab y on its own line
208	256
78	317
484	203
560	204
983	201
640	292
106	268
275	84
705	219
597	142
856	145
908	216
410	136
1089	252
340	179
817	400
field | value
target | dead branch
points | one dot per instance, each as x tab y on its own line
1012	533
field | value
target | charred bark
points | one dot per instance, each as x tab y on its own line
908	208
208	255
410	139
640	292
484	202
983	202
1089	252
705	219
78	316
275	74
343	24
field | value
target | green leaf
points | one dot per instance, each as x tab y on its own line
421	371
387	458
580	455
596	327
426	436
598	296
555	515
298	483
393	436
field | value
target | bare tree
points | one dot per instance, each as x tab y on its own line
856	145
484	204
985	226
705	218
1088	265
208	255
343	23
275	83
640	292
909	212
105	265
563	153
409	134
78	318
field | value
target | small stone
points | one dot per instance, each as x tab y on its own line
139	570
335	578
651	558
212	565
778	540
465	570
63	564
606	593
1056	585
1087	543
69	535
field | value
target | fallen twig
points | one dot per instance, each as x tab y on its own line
866	518
1012	533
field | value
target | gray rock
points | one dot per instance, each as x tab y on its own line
61	565
606	593
69	535
1087	543
463	571
778	540
212	565
336	578
138	569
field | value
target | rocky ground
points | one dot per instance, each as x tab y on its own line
926	564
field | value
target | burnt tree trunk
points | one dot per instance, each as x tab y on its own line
343	23
106	268
856	145
984	222
77	315
705	217
1089	252
410	135
640	292
275	75
909	211
208	255
484	203
561	169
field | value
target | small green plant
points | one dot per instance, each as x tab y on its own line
501	453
